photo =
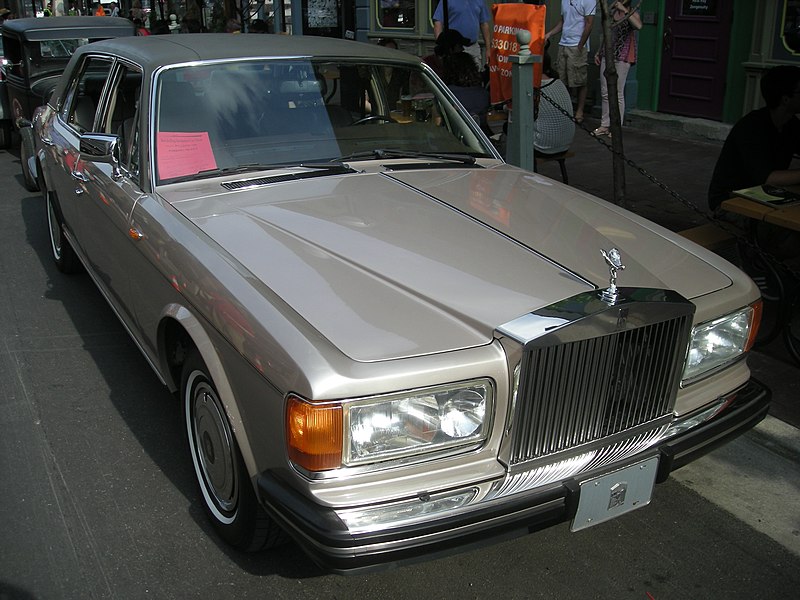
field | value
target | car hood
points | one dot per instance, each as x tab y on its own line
404	263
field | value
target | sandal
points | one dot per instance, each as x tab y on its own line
601	131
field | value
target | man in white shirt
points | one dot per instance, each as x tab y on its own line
575	25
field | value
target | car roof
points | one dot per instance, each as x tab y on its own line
154	51
52	28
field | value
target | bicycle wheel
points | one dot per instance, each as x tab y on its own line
773	292
791	331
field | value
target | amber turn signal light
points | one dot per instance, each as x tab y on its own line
314	434
755	323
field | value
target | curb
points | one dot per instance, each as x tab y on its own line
700	130
779	437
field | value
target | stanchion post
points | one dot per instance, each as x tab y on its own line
520	134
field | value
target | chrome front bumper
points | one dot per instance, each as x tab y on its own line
324	533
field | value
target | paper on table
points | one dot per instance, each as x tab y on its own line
758	194
183	153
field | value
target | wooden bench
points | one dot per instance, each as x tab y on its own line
709	235
560	158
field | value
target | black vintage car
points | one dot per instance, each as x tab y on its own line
36	53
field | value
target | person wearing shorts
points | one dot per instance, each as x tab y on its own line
575	25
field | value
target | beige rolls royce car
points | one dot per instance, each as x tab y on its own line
388	343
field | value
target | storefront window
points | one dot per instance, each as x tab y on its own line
791	26
396	14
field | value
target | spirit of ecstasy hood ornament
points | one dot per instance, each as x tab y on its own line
614	262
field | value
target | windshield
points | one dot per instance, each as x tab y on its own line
50	55
299	112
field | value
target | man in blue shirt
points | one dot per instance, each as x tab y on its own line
471	19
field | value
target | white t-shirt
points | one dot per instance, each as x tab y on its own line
574	12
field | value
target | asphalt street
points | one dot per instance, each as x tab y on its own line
98	498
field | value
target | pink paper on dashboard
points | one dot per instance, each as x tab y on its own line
183	153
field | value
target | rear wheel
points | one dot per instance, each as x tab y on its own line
227	492
63	255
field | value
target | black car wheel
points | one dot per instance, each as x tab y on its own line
228	495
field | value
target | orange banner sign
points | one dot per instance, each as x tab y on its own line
508	20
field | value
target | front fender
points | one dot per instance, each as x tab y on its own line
202	341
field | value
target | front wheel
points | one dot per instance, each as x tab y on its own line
228	496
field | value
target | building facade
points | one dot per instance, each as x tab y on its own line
697	58
705	58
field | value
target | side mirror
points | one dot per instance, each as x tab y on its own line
102	148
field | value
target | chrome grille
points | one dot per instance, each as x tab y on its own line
609	373
585	461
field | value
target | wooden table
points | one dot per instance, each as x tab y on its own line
787	215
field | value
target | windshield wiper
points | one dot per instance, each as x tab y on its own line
381	153
331	168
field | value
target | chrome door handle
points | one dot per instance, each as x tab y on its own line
79	176
47	141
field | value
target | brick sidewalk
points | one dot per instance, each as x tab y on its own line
681	165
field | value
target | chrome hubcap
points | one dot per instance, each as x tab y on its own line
213	445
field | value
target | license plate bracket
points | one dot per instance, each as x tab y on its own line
613	494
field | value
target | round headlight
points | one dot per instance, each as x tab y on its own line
462	414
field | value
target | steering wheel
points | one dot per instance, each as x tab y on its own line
372	118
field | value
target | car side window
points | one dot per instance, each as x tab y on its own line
120	115
83	93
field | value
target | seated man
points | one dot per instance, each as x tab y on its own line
760	147
759	150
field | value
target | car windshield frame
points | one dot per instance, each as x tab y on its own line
209	118
48	55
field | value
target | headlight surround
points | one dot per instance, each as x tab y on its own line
322	436
716	343
418	421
